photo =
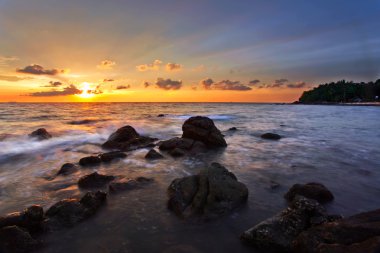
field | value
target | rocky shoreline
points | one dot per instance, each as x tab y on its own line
304	226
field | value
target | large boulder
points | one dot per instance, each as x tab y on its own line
94	180
90	161
40	134
126	139
276	234
68	212
203	129
356	234
30	219
315	191
14	239
212	193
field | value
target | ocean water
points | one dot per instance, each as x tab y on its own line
338	146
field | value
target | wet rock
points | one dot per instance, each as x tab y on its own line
94	180
108	157
276	234
14	239
40	134
212	193
161	115
271	136
153	155
90	161
126	139
356	234
315	191
68	212
177	152
125	184
203	129
182	143
67	168
29	219
232	129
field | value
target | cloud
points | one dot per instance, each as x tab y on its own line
123	87
147	84
209	84
173	67
108	80
152	66
13	78
297	85
168	84
254	82
106	64
4	60
36	69
69	90
53	84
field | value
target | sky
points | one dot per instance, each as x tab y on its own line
182	50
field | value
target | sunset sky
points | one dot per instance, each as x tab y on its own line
177	50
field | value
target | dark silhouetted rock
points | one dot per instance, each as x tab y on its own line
40	134
90	161
94	180
271	136
177	152
125	184
29	219
16	240
176	142
153	155
212	193
108	157
68	212
356	234
126	139
67	168
315	191
203	129
232	129
161	115
276	234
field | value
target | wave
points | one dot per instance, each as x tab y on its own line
221	117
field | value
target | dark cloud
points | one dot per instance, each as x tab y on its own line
13	78
209	84
123	87
147	84
53	84
36	69
297	85
95	91
173	67
278	83
254	82
106	64
168	84
108	80
69	90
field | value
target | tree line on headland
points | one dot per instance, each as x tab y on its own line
342	92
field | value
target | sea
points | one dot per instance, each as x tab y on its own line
338	146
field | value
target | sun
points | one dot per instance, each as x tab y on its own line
86	91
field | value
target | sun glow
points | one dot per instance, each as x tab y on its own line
86	91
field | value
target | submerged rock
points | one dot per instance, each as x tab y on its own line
315	191
94	180
356	234
108	157
68	212
160	115
213	192
276	234
271	136
90	161
126	139
232	129
13	239
128	184
40	134
67	168
153	155
30	219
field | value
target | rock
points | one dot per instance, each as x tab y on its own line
94	180
177	152
356	234
203	129
212	193
182	146
271	136
90	161
30	219
67	168
16	240
128	184
161	115
40	134
153	155
108	157
126	139
276	234
68	212
232	129
315	191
